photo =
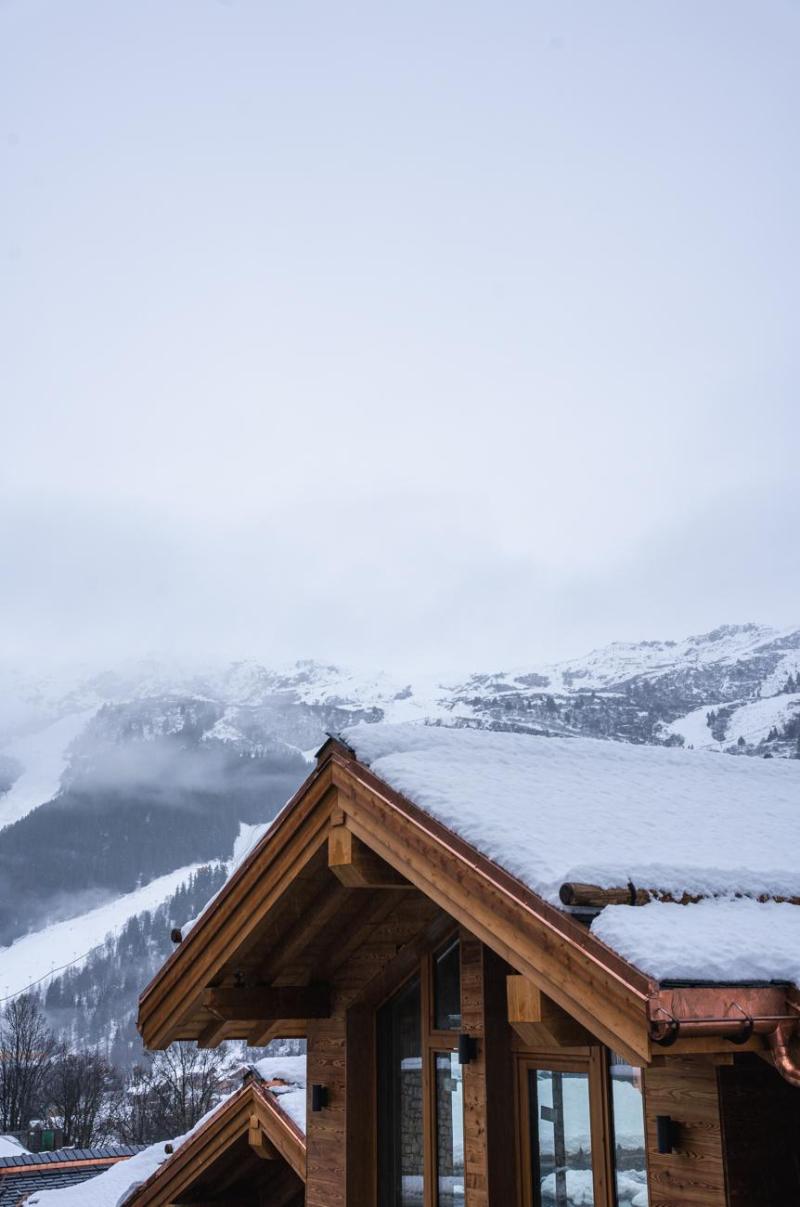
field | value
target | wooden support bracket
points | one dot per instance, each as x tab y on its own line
265	1032
357	866
259	1143
539	1021
212	1035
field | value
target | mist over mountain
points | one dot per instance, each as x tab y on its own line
141	780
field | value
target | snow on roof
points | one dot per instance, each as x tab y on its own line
551	810
11	1147
291	1097
112	1187
115	1186
719	940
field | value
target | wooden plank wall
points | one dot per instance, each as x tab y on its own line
476	1157
694	1174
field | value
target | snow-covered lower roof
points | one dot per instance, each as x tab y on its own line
11	1147
115	1186
552	810
291	1096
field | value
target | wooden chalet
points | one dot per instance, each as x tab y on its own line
248	1151
471	1040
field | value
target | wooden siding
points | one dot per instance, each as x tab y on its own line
476	1155
694	1174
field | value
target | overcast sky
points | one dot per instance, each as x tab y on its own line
425	335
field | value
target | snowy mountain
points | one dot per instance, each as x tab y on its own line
116	787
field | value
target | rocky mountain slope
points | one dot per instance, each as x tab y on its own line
110	782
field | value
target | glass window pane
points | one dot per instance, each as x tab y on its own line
449	1131
400	1130
629	1136
561	1138
447	988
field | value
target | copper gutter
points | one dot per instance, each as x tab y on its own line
732	1013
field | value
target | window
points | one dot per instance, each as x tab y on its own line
420	1089
582	1129
447	988
400	1101
627	1108
561	1142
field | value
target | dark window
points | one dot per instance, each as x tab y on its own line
561	1146
447	988
400	1101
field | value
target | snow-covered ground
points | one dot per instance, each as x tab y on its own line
751	721
38	955
43	756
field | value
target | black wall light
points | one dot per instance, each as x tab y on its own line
667	1133
319	1097
467	1049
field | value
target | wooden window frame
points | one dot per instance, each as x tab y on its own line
433	1043
593	1062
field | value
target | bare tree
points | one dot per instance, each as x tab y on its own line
135	1109
79	1087
166	1097
26	1049
188	1081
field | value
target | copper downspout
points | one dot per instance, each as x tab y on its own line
785	1063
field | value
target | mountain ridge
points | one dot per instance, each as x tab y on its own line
149	768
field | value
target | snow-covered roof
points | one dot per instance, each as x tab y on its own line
292	1095
551	810
115	1186
11	1147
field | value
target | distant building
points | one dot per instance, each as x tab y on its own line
24	1174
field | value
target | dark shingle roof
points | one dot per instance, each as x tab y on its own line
100	1152
27	1173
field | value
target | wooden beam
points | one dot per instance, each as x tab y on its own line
538	1020
259	1143
281	1028
239	1201
213	1035
356	866
268	1002
320	912
593	896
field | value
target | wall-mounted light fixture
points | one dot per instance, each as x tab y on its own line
467	1049
667	1133
319	1097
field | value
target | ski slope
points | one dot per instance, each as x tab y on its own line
36	957
43	756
